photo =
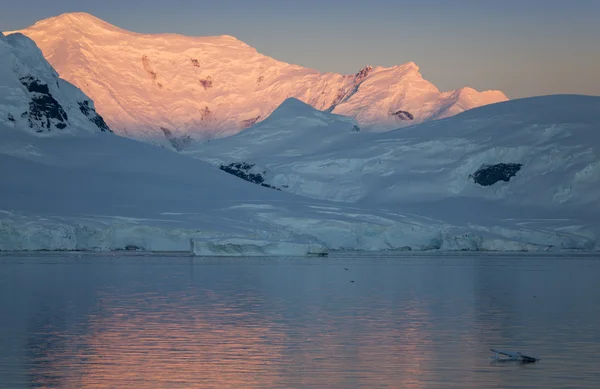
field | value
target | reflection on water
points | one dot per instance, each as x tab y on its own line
106	322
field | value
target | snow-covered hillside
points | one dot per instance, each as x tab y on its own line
173	87
539	156
32	96
103	192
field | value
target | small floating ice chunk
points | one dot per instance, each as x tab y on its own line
512	356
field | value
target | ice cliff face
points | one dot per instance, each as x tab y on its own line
171	86
33	97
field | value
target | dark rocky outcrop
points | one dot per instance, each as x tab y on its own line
403	115
44	111
206	114
362	74
355	129
90	112
344	94
488	175
178	142
195	62
250	122
148	68
34	85
206	82
242	170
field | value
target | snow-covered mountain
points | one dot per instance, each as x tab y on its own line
178	87
32	96
67	183
536	156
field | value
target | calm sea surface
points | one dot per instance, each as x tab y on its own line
95	321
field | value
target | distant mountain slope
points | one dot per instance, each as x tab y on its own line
174	87
32	96
541	152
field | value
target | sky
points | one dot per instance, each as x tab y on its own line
522	47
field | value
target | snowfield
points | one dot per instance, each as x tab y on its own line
170	89
69	183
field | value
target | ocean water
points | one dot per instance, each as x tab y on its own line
347	321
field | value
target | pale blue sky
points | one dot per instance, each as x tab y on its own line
522	47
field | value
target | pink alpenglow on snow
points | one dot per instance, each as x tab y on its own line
148	85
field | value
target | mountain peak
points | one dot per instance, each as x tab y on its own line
295	103
80	16
75	19
410	66
292	107
83	22
470	93
410	69
293	110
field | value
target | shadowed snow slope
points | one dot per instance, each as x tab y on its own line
104	192
166	85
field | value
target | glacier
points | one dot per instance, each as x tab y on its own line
169	89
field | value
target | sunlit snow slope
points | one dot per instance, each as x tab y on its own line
167	86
